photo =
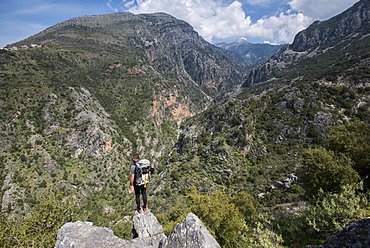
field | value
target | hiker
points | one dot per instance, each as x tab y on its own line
140	173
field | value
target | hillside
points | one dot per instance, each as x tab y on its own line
98	88
92	91
168	45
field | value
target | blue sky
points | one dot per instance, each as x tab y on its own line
273	21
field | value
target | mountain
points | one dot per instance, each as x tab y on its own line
159	40
250	54
327	48
80	97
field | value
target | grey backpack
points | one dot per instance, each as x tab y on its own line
142	169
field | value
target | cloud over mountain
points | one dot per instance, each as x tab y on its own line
225	19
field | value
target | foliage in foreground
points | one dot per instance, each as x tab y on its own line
40	228
233	220
322	216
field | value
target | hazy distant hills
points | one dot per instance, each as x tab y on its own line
250	54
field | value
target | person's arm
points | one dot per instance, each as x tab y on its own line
132	177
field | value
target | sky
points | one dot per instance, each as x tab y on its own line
258	21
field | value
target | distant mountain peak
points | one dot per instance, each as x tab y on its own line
242	40
250	54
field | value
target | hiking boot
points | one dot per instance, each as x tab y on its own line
139	210
146	208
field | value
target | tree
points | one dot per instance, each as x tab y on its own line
221	216
353	140
323	170
246	205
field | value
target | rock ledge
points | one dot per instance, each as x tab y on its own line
146	230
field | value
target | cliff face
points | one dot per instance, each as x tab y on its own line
353	22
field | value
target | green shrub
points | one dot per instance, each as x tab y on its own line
327	171
40	228
332	211
221	216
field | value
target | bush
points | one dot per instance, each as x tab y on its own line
326	171
353	140
40	228
221	216
332	211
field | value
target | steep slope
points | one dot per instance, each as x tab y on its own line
74	109
250	54
255	140
323	49
91	91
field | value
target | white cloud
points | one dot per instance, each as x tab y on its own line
110	7
211	19
129	4
321	9
258	2
281	28
215	19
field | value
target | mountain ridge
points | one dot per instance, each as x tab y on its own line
322	41
159	39
75	109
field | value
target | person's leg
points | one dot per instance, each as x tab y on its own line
137	195
145	199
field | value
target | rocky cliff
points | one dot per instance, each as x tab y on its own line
336	43
191	233
147	232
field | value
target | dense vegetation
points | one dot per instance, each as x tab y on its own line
267	168
242	147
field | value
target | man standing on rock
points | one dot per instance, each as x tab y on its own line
140	173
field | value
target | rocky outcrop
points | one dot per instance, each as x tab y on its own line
354	235
86	235
284	185
146	231
348	23
191	233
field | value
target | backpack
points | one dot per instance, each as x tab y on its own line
142	169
